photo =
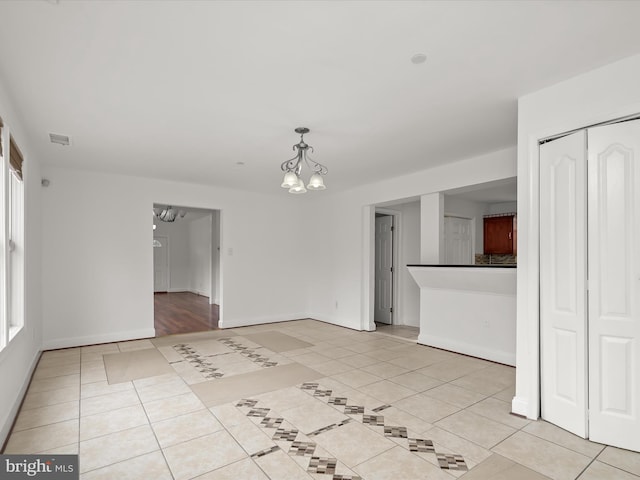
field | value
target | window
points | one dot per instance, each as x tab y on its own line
12	256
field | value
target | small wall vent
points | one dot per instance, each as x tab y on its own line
59	139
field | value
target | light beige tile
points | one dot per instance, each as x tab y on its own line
478	429
51	397
112	421
135	364
185	427
170	353
428	409
100	348
398	463
37	417
311	359
484	381
499	411
48	362
110	401
172	407
452	369
359	361
228	415
455	444
173	387
557	435
50	372
93	374
135	345
150	465
285	398
507	394
156	380
356	378
71	449
54	383
353	443
386	391
43	438
332	367
116	447
386	355
88	390
497	467
203	454
416	381
277	341
602	471
240	470
384	370
395	416
63	352
313	416
457	396
542	456
623	459
413	362
251	437
282	466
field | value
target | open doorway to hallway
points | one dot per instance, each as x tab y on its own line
186	269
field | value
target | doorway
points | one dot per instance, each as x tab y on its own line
458	240
590	283
384	266
187	269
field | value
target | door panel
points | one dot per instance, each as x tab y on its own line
383	269
458	241
614	296
563	298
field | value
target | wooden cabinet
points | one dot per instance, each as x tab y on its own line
500	235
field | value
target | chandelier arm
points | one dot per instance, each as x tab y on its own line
315	166
291	164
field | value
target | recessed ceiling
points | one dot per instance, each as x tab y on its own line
494	192
185	90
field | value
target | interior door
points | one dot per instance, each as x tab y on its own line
614	295
458	248
161	265
384	270
563	296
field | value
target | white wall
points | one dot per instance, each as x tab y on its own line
503	207
17	359
179	261
408	290
600	95
200	255
98	283
340	240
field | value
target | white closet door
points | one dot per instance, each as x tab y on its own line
614	295
563	298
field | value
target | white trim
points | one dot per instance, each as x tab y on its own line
368	268
519	406
7	421
247	322
468	349
96	339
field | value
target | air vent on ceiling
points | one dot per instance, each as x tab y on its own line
59	139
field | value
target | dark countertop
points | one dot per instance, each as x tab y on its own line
493	265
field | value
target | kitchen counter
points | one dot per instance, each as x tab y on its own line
469	309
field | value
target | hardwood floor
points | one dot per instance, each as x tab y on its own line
183	312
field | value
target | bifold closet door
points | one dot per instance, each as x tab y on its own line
563	297
614	290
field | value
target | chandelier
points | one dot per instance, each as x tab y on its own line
293	168
168	214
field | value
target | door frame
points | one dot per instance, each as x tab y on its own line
395	256
166	243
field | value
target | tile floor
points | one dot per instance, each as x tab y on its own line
323	402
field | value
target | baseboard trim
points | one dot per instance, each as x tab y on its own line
12	415
95	339
520	406
468	349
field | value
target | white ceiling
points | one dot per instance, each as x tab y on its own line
185	89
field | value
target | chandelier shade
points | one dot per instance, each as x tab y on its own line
293	168
169	213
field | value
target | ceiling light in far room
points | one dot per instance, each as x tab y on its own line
419	58
168	213
293	168
156	243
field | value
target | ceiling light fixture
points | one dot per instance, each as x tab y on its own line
293	168
168	214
